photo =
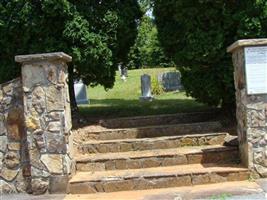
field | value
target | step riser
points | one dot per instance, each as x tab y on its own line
161	119
150	132
143	183
137	145
220	157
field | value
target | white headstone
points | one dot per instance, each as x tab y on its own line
146	88
80	93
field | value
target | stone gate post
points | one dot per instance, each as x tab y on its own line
47	120
250	74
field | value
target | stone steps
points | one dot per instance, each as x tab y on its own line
157	158
151	131
140	144
132	122
152	178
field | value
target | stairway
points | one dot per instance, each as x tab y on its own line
170	151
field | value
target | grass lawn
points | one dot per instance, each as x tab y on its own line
123	99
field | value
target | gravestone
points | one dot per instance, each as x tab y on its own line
146	88
171	81
80	93
124	73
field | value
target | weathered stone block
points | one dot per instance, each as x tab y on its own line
8	174
218	178
110	165
14	146
133	164
53	162
35	158
15	124
55	143
1	160
256	118
35	172
118	186
58	184
32	75
51	73
3	143
178	160
126	147
68	164
39	186
22	183
200	179
12	159
2	125
82	188
90	166
120	164
38	99
54	99
7	188
54	127
54	116
147	163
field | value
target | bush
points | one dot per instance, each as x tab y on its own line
195	35
157	88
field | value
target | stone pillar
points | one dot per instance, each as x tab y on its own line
249	59
47	120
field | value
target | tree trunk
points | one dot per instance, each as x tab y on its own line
74	107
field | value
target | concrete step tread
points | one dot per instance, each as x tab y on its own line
164	126
152	153
208	191
88	142
170	171
177	118
216	111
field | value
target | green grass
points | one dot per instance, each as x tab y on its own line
123	99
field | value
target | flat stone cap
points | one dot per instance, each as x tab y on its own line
42	57
248	42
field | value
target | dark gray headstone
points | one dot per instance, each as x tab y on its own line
171	81
80	93
146	88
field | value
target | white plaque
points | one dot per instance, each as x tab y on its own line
256	70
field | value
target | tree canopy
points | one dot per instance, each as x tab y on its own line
147	50
98	34
196	33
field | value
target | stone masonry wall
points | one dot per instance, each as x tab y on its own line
252	120
47	120
13	160
35	127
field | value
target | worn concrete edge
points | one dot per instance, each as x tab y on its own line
193	192
42	57
246	42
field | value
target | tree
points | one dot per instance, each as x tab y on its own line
147	50
195	35
97	34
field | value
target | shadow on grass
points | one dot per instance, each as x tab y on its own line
112	108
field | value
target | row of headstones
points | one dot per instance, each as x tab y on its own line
171	81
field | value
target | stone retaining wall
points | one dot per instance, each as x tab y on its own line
35	127
251	113
13	160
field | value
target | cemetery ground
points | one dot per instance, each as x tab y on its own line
123	99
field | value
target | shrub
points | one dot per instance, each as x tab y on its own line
157	88
195	35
